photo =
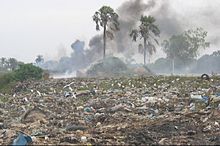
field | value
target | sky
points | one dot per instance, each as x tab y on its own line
32	27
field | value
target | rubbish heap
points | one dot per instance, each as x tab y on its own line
118	111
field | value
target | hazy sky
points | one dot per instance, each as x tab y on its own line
32	27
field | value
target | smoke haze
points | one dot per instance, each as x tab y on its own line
168	18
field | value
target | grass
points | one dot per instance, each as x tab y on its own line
3	73
3	99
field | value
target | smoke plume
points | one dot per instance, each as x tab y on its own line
169	21
130	13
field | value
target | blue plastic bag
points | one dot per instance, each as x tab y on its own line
22	139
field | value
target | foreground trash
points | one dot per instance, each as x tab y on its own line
205	77
113	111
22	139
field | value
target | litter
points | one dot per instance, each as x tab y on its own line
143	110
22	139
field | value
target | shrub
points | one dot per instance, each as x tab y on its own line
28	71
25	72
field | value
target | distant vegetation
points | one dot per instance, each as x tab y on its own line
205	64
182	51
24	72
9	64
183	48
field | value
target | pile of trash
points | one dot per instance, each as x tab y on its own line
116	111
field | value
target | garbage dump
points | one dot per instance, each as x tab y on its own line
112	111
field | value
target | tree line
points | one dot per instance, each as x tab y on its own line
9	64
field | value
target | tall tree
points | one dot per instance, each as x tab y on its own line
105	17
147	31
185	46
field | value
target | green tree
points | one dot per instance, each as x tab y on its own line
185	46
105	17
148	31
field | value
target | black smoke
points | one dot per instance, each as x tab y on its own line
168	20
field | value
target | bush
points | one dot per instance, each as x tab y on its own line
6	79
28	71
25	72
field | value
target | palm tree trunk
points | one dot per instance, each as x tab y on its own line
145	48
173	66
104	40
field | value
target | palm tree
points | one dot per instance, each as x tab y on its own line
13	63
148	31
105	17
3	61
39	59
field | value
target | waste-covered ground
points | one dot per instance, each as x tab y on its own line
134	111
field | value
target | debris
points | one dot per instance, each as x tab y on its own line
199	97
22	139
38	92
68	94
75	128
143	110
162	141
191	132
117	108
192	106
98	124
207	128
39	133
89	109
83	139
83	93
33	115
68	85
217	124
1	125
69	139
205	77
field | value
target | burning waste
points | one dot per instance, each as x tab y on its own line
106	96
